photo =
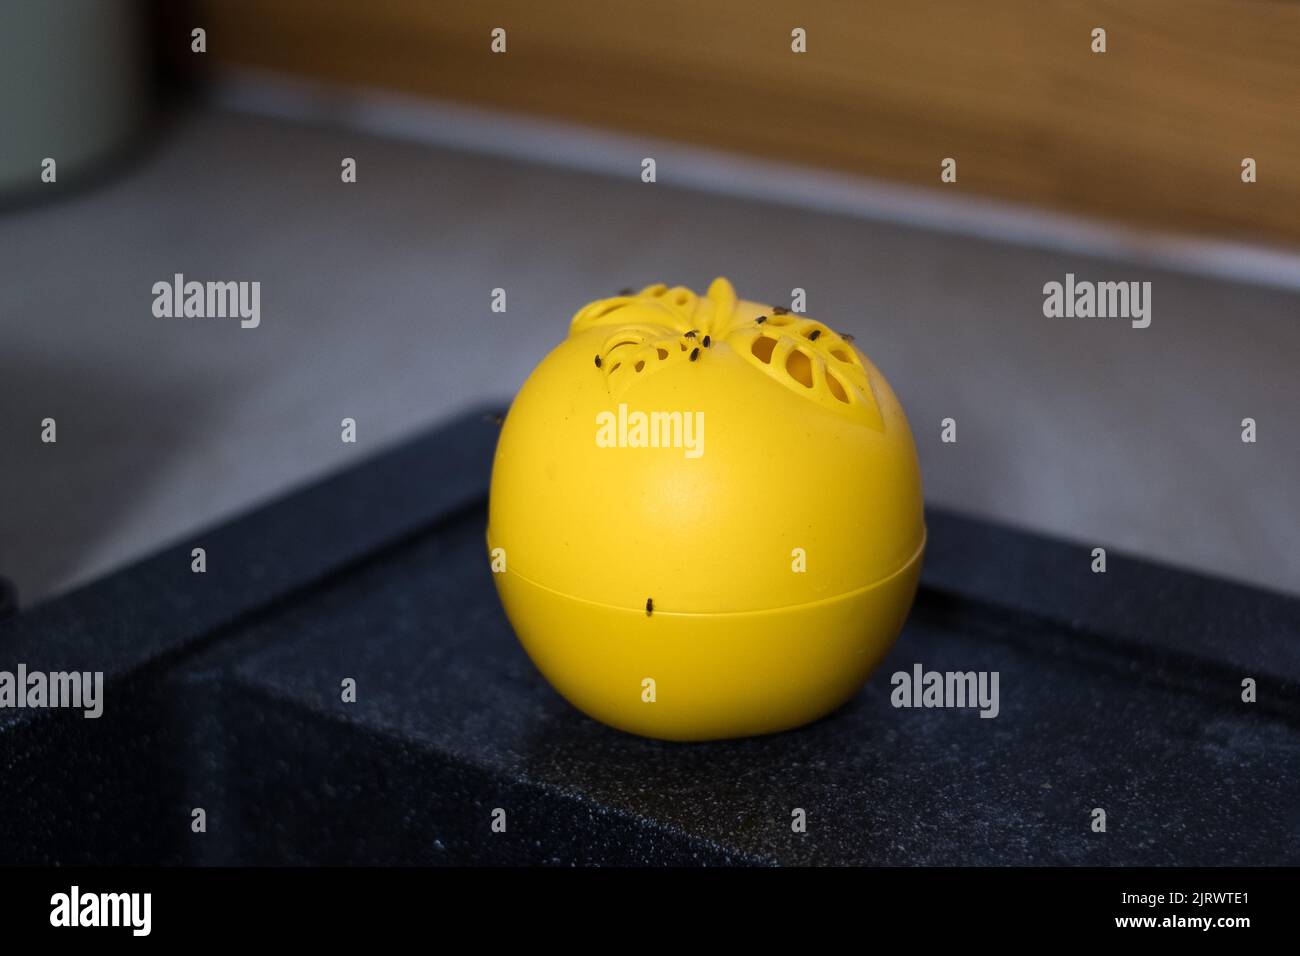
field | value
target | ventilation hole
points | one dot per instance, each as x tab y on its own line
842	355
779	319
800	368
836	388
638	366
682	298
762	349
663	353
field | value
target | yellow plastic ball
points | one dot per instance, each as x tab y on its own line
705	516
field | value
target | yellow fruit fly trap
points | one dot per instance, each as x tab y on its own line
710	514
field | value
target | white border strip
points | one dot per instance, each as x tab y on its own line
571	146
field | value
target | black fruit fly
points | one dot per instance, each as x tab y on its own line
597	361
624	291
691	334
649	606
816	334
695	353
761	319
779	310
707	341
847	338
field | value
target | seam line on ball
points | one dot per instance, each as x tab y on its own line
640	609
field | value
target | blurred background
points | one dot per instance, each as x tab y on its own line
217	154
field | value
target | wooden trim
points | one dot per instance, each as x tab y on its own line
1152	132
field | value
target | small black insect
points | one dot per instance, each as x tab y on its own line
847	338
691	334
624	291
695	353
815	335
649	606
761	319
779	310
707	341
597	361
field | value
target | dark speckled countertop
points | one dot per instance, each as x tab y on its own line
223	692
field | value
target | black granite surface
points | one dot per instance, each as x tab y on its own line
1120	691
